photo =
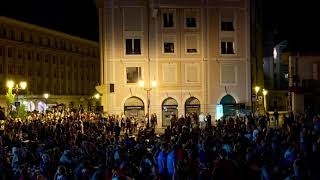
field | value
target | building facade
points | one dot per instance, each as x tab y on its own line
304	82
64	66
197	53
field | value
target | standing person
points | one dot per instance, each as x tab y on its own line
268	118
171	162
128	125
208	120
153	120
276	117
162	161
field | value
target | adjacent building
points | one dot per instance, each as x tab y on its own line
304	81
62	65
189	56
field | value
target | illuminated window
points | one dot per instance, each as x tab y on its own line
133	74
133	46
227	47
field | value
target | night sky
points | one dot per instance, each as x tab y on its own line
292	20
77	17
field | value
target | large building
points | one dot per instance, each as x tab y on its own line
191	55
65	66
304	81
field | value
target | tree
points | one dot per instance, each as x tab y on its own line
10	100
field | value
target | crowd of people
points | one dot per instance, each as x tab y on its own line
81	145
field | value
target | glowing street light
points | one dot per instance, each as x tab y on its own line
264	92
16	87
141	83
154	83
97	96
10	84
23	85
257	89
46	95
148	89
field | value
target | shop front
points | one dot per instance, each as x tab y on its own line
169	110
134	108
192	106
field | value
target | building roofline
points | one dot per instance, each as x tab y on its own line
47	30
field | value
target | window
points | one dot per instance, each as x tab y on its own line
22	36
228	74
29	55
169	73
47	58
227	25
10	52
227	47
191	22
168	19
168	47
12	35
133	74
192	43
190	17
133	46
1	51
38	57
192	73
19	53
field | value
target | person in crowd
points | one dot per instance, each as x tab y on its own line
78	146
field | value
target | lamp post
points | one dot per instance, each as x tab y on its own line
97	97
46	96
264	92
16	87
148	89
257	89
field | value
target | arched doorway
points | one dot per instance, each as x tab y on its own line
134	107
169	108
192	106
229	105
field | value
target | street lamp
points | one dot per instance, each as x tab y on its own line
46	96
97	97
148	89
264	92
256	89
16	87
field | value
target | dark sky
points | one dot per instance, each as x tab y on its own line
294	20
77	17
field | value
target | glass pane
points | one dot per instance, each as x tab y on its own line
169	47
223	48
133	74
230	49
191	22
227	26
128	46
137	46
171	20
